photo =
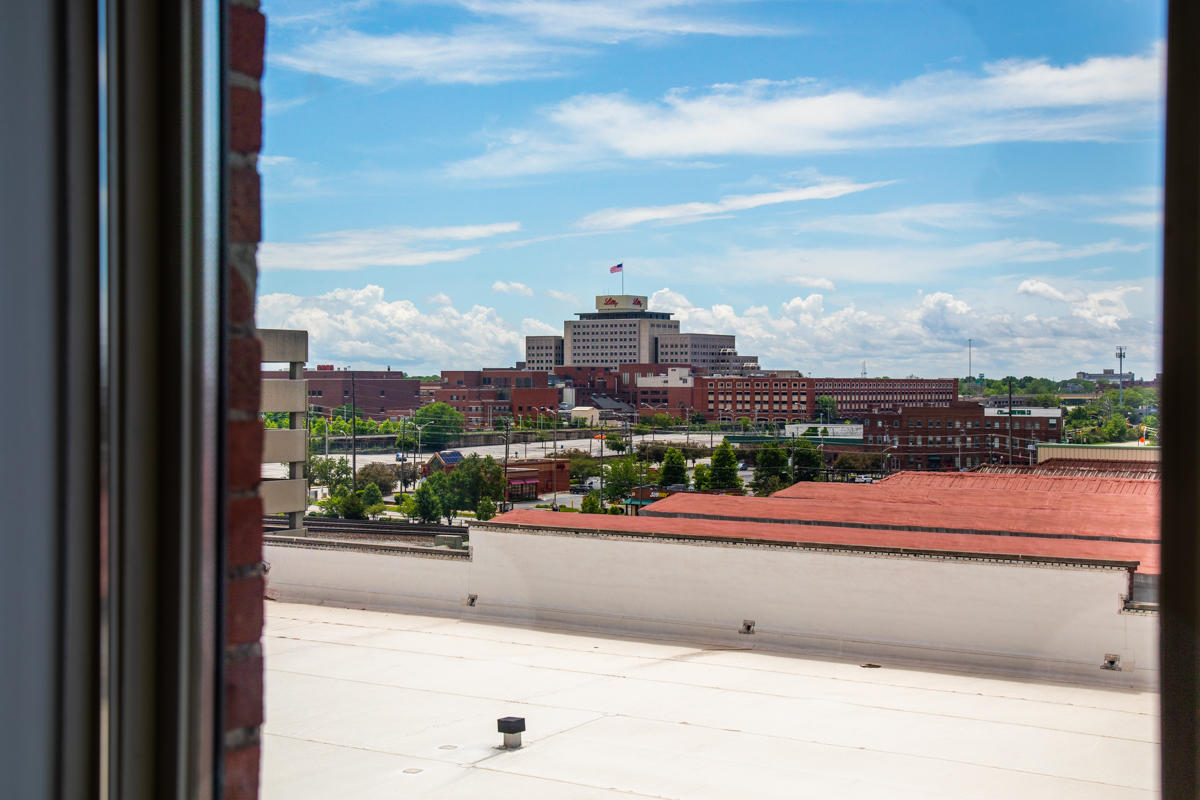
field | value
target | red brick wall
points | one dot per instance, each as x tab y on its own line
243	674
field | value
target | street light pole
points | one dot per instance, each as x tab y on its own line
353	433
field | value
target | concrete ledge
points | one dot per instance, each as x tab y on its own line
283	495
284	395
283	345
282	445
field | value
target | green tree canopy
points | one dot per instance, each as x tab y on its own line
806	460
591	504
770	469
485	510
426	507
724	468
620	476
333	471
377	474
440	423
449	500
615	442
702	478
826	408
674	468
476	478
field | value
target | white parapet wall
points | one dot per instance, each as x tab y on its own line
1046	620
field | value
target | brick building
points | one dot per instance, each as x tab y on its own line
960	435
790	397
487	395
379	394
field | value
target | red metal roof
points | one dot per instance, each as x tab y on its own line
835	537
1015	515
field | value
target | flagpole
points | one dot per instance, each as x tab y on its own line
622	277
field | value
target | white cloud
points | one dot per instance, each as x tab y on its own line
378	247
441	299
535	327
925	335
1094	100
272	161
609	22
512	287
1040	289
473	57
1146	220
564	297
507	41
811	282
361	328
612	218
1105	308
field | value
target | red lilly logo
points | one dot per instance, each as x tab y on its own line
637	301
610	301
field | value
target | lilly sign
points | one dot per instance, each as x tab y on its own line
621	302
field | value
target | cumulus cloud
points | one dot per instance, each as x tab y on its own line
395	246
1104	308
612	218
441	299
925	335
1097	99
362	328
535	327
512	287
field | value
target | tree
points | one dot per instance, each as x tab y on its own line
591	503
476	478
331	472
826	408
371	495
702	478
806	460
372	500
440	422
426	505
641	429
620	476
724	468
485	510
351	506
583	465
615	442
449	500
698	419
378	474
674	468
770	469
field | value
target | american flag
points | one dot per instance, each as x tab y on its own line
618	268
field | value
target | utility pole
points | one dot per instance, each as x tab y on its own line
969	366
353	434
1010	423
505	501
1121	375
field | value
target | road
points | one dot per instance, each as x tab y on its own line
519	450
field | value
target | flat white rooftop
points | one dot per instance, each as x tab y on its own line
365	705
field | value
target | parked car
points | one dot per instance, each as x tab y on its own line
863	479
401	458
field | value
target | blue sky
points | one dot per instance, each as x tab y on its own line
834	182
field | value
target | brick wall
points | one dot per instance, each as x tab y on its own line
243	675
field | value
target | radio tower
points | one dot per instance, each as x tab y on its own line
864	369
1120	374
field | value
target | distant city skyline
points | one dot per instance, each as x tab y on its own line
829	182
